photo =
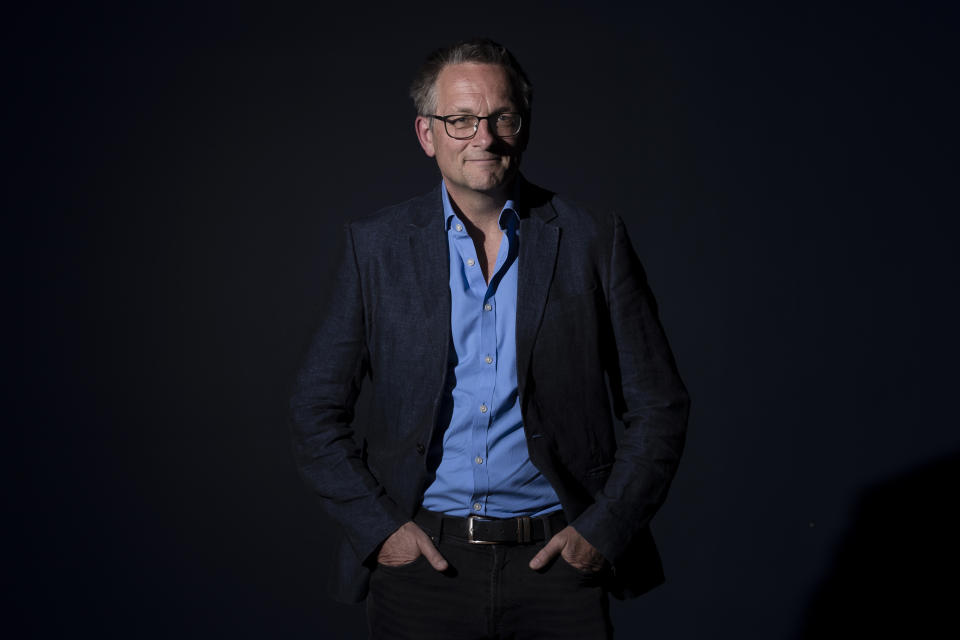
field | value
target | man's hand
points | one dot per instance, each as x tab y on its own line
574	548
406	544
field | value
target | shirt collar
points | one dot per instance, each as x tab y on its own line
508	214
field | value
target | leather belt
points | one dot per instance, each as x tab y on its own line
484	530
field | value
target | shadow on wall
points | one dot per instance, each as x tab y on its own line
897	570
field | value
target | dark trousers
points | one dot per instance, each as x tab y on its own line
488	592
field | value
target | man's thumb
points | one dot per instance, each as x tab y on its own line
433	556
547	554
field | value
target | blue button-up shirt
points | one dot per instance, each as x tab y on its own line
483	467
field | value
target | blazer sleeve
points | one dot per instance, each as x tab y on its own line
322	410
649	398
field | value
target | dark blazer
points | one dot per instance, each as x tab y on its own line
584	316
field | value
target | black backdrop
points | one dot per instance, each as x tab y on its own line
177	179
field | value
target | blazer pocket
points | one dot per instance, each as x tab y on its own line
603	469
567	300
563	296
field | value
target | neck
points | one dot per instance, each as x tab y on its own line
482	210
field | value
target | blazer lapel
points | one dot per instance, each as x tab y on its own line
538	257
429	256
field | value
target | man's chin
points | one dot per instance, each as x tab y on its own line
493	183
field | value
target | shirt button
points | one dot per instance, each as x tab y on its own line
478	460
470	262
477	506
459	227
483	408
488	307
488	360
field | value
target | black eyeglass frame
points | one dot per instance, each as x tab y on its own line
491	122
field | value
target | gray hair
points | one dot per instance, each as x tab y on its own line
423	89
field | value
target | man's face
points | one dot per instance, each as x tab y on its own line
484	163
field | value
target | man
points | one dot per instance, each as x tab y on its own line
488	496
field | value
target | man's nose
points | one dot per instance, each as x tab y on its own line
484	136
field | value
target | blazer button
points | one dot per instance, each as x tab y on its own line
420	448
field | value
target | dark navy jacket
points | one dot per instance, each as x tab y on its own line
585	315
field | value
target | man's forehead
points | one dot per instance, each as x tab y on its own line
474	86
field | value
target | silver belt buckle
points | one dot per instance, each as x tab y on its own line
470	539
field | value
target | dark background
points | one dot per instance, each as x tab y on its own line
177	177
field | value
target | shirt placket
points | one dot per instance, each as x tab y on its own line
486	365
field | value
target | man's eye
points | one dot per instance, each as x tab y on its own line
461	122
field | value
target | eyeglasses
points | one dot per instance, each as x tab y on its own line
463	127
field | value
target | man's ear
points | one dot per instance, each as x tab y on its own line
424	129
